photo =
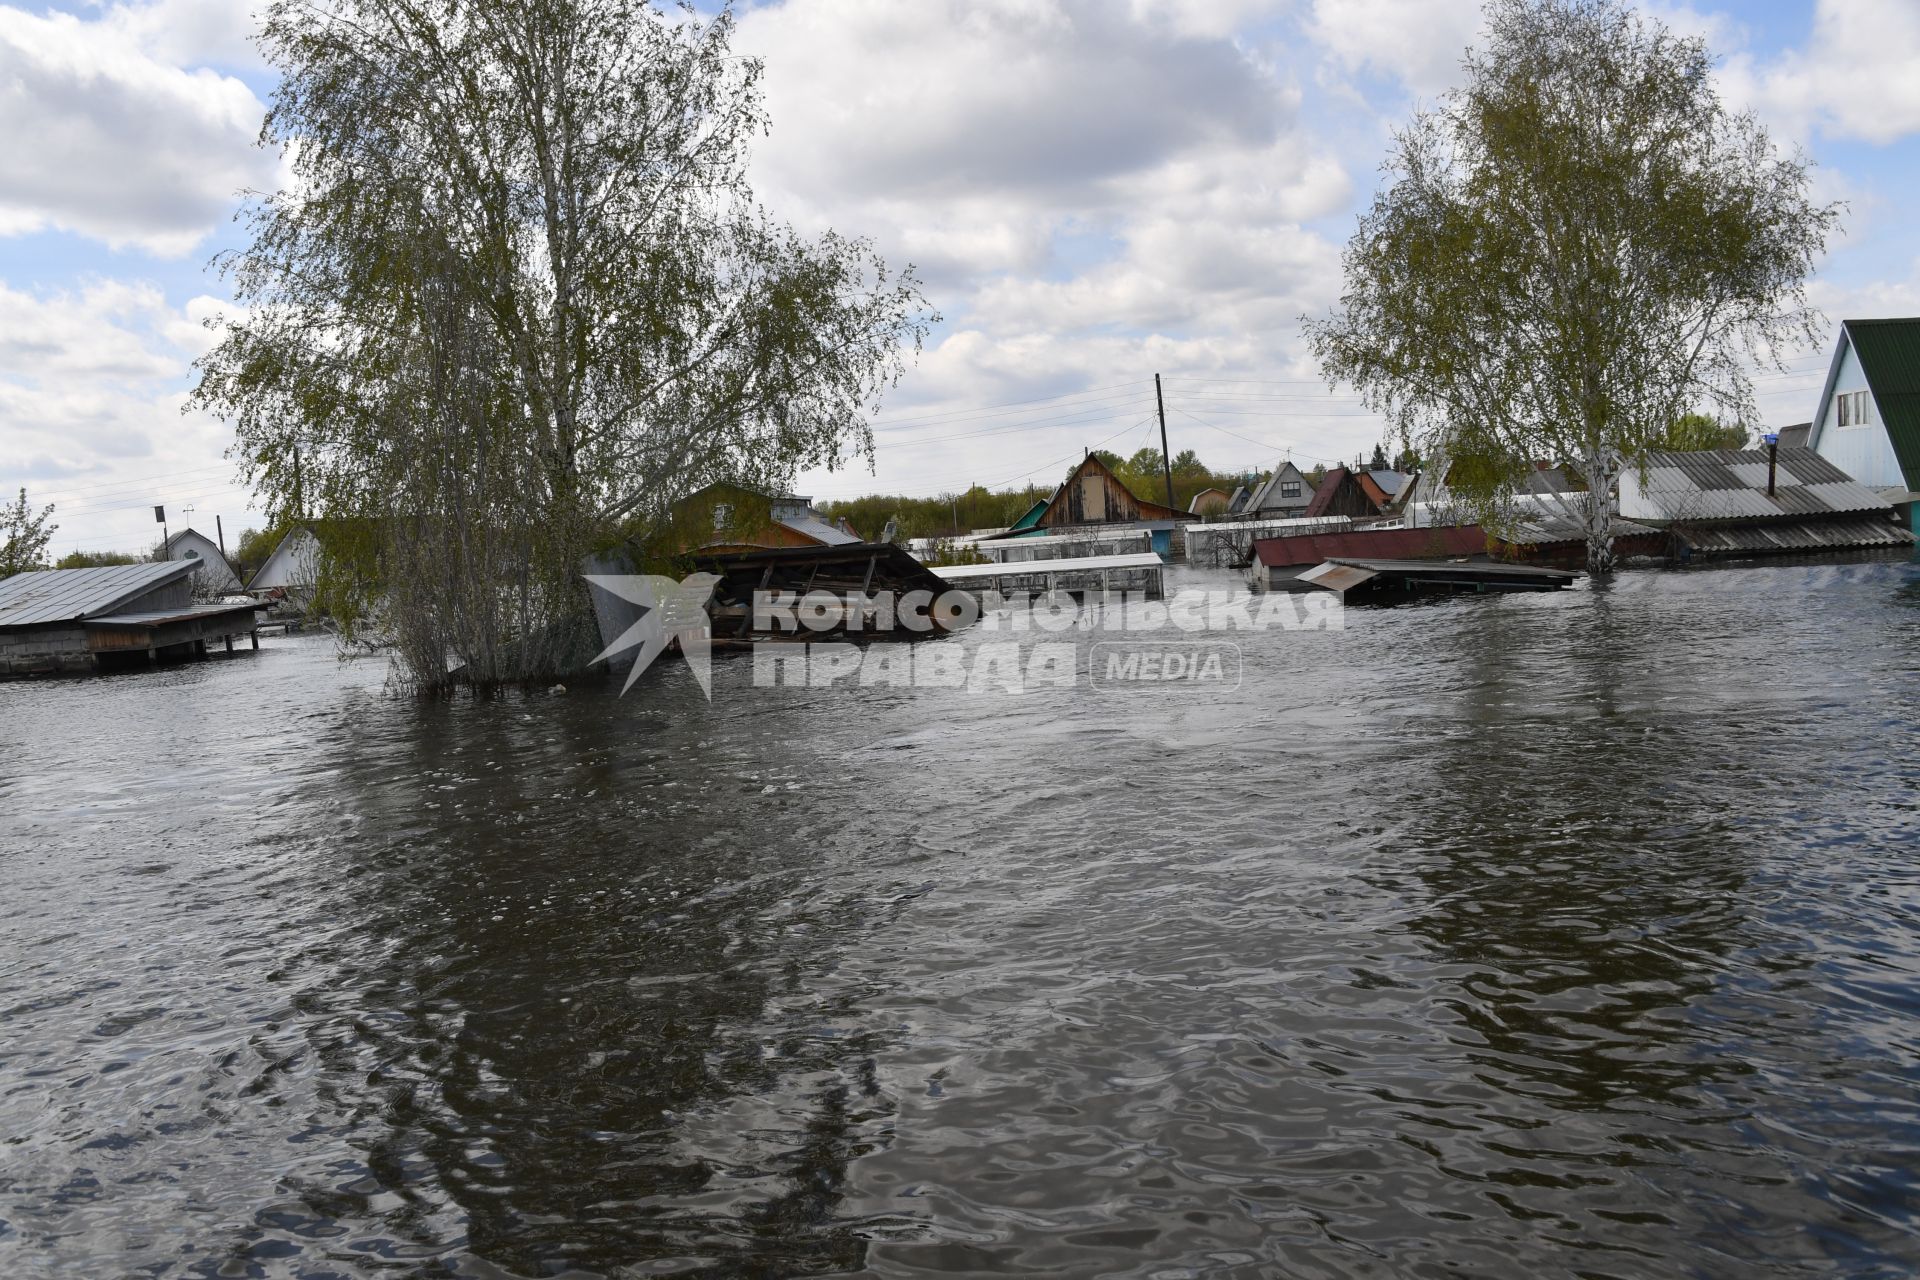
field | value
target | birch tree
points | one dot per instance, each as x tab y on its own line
1572	249
515	298
24	535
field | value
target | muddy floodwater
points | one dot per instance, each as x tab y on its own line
1545	935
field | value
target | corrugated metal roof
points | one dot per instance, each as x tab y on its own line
1889	354
1731	484
1829	534
66	595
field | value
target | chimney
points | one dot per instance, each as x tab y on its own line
1773	458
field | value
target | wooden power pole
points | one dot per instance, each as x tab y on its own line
1166	459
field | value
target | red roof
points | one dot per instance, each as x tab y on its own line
1442	543
1323	495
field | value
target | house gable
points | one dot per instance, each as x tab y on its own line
1094	495
1882	358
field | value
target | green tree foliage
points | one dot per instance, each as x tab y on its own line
1575	242
516	300
978	508
94	559
1692	432
24	534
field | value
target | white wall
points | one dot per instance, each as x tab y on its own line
294	563
1863	452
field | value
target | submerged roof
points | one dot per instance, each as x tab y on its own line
1832	533
68	595
1731	484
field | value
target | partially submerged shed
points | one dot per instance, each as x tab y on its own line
83	620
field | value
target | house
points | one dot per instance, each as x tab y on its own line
733	517
1392	488
1755	501
1285	496
292	568
1341	493
81	620
1092	496
1209	502
216	576
1867	422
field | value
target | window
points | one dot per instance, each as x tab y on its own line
1853	409
1289	488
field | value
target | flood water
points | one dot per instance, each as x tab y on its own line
1569	935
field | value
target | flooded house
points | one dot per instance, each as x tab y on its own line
732	517
216	576
1093	497
88	620
1341	493
1867	423
1209	502
1286	495
292	568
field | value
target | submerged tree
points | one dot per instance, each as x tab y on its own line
1574	247
518	297
24	535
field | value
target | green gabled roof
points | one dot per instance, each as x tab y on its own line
1889	354
1032	517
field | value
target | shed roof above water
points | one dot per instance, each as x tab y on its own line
69	595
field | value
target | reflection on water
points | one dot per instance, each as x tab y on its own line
1547	935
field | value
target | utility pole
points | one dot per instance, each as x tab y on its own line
220	536
1166	459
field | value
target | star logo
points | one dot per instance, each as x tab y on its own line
669	610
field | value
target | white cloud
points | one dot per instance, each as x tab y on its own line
107	140
1417	42
1092	192
1857	77
91	387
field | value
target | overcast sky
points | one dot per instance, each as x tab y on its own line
1093	191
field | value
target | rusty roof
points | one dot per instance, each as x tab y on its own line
68	595
1391	544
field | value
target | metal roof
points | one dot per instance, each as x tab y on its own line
68	595
1889	353
161	617
1731	484
1830	534
819	530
